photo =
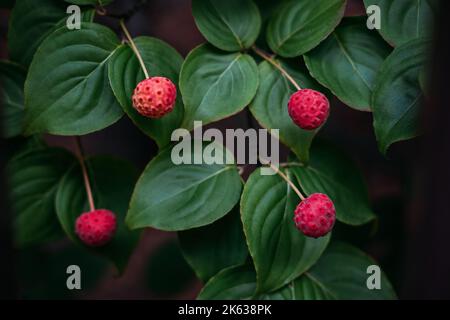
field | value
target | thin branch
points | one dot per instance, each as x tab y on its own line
87	184
268	58
135	49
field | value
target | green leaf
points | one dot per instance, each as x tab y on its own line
234	283
347	62
125	73
12	79
341	273
302	288
405	20
215	247
334	174
33	178
230	25
215	84
269	106
68	79
280	252
397	94
112	182
31	22
299	26
184	196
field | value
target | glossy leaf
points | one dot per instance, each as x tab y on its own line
216	85
33	178
230	25
405	20
234	283
299	26
215	247
269	106
341	273
68	80
279	250
348	61
112	182
31	22
179	197
332	173
125	73
397	96
12	79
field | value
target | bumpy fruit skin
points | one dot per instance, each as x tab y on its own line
154	97
315	216
308	108
96	228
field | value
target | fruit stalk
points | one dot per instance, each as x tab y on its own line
134	48
285	178
87	184
269	59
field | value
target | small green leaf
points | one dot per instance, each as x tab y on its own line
332	173
179	197
397	96
347	62
269	106
33	178
405	20
299	26
12	79
215	247
112	182
31	22
216	85
230	25
125	73
234	283
280	252
67	91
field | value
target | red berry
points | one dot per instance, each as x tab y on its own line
309	109
315	216
154	97
96	228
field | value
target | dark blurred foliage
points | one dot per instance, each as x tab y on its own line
407	189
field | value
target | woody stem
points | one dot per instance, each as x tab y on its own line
268	58
134	48
87	184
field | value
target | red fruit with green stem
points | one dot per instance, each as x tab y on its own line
153	97
97	227
315	215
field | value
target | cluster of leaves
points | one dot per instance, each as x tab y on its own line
239	238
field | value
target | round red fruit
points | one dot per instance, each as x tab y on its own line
315	216
154	97
309	109
96	228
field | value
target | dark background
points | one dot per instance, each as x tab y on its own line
408	189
